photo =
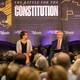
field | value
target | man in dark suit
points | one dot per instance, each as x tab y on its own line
58	45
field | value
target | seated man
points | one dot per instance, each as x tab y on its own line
58	45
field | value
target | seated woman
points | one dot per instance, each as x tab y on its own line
24	45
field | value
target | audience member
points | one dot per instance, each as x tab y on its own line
12	71
63	60
75	67
28	73
3	68
2	59
41	62
54	61
56	73
78	75
10	56
20	59
72	57
34	52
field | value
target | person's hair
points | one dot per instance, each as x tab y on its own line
1	58
20	59
57	73
78	56
3	68
60	31
22	33
11	51
78	75
72	57
63	60
37	55
10	56
42	63
75	67
28	73
53	61
12	71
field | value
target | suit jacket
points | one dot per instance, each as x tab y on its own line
64	46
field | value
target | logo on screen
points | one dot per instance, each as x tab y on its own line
5	13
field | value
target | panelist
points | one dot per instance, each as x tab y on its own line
24	45
60	44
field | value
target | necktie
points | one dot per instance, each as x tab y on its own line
58	44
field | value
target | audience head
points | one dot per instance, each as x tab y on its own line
76	66
34	52
41	62
1	58
72	57
78	75
78	56
10	51
56	73
63	59
3	68
28	73
12	71
10	56
37	55
54	61
20	59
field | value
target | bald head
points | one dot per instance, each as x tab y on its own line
63	56
63	59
